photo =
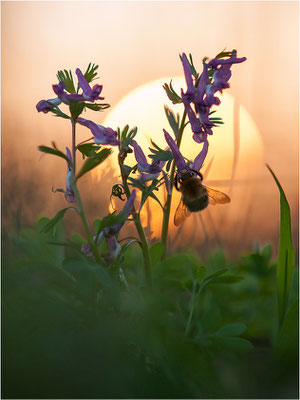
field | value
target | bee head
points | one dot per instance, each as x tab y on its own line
185	174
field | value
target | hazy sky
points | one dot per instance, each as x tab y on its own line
137	42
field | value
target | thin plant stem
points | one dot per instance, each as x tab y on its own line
167	207
139	227
194	295
80	207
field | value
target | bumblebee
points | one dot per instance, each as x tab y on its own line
194	195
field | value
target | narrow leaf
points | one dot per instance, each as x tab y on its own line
54	220
50	150
93	162
286	253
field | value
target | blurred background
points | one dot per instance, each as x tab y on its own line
136	45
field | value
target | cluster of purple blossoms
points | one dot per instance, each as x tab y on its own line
110	232
200	95
101	134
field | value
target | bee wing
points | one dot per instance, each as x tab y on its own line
181	213
216	197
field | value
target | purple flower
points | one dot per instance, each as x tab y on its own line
59	90
69	192
109	233
86	249
89	94
188	78
127	210
221	77
180	162
203	96
148	171
194	121
101	134
46	105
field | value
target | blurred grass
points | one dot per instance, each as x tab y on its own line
72	329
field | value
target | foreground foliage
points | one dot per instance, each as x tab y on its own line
206	330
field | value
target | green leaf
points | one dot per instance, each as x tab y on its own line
97	106
174	121
88	272
286	253
54	151
54	220
126	136
224	53
59	113
160	154
110	220
67	78
93	162
91	72
156	252
173	96
199	273
287	340
89	149
234	329
148	191
136	183
76	108
230	344
213	276
193	69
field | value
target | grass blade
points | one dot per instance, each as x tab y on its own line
286	254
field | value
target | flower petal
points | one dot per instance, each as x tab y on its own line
127	209
139	155
197	164
69	155
195	123
89	93
179	160
188	77
101	134
46	105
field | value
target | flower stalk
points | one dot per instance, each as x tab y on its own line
167	207
138	224
80	207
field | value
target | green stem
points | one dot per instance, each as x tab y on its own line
194	296
167	207
80	207
139	228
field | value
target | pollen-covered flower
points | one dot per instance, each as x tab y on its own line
109	233
148	171
181	164
101	134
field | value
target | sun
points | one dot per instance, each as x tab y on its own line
234	158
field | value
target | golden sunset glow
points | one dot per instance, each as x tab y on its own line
136	47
